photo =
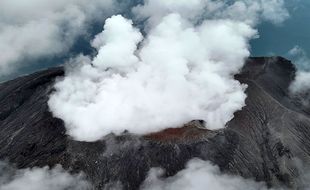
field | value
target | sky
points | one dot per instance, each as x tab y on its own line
279	39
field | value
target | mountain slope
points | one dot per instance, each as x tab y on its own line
268	140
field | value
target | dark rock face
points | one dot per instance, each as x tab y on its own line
268	140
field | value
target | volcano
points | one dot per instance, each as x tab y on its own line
268	140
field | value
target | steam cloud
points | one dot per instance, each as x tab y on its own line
39	179
181	70
247	11
42	28
199	175
34	29
300	86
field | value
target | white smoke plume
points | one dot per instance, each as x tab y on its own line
180	71
199	175
301	82
301	86
300	58
173	81
248	11
41	28
40	179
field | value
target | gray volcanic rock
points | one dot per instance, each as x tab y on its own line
268	140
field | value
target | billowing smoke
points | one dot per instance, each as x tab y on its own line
181	70
301	82
300	86
199	175
40	179
41	28
247	11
